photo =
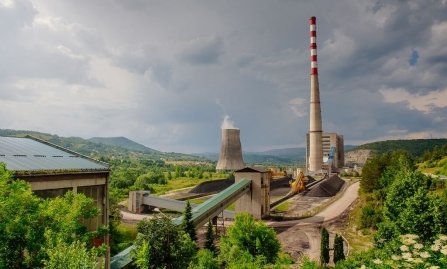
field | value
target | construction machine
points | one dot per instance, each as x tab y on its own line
298	184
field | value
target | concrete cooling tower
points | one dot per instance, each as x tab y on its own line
230	157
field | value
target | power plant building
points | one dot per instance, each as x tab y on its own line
330	140
230	157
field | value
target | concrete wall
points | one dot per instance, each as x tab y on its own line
257	201
135	201
93	185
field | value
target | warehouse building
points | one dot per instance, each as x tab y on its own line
52	171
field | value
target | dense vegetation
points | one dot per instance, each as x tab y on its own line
435	161
405	210
248	244
415	147
49	233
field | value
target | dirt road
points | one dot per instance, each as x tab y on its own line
300	237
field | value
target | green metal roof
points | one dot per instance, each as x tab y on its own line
34	155
217	203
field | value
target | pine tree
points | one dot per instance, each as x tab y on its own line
338	249
188	225
209	244
324	250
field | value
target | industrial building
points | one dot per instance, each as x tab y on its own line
330	140
52	171
257	201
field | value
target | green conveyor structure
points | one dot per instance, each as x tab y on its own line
200	215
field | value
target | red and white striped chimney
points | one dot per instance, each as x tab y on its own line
313	46
315	160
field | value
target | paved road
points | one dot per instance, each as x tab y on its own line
131	216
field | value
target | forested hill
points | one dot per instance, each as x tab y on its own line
87	147
123	142
415	147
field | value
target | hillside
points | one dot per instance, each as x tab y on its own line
124	143
99	150
416	147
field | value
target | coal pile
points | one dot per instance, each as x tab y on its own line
212	186
327	188
281	182
310	179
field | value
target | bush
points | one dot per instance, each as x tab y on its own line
371	215
161	244
247	236
204	260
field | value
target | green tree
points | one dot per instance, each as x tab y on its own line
21	227
324	247
187	223
64	217
209	243
161	244
204	260
423	215
71	256
29	225
404	186
339	253
371	173
247	236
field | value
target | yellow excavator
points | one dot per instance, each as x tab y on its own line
298	184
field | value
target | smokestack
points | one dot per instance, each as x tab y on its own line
230	157
315	127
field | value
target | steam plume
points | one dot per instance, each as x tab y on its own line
227	123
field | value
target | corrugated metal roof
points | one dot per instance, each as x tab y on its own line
30	154
252	169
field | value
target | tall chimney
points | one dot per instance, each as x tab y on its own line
230	157
315	127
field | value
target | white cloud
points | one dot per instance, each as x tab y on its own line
297	105
422	102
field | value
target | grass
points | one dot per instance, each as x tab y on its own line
359	240
126	234
177	183
435	168
186	182
283	207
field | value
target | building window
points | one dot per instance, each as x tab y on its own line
52	193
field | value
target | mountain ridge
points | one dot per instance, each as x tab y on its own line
124	142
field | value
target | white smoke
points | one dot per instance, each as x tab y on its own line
227	123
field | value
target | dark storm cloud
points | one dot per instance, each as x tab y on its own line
153	70
203	51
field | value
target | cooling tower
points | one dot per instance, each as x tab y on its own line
230	157
315	126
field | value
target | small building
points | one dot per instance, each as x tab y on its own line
257	201
52	171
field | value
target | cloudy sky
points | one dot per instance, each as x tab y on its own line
166	73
